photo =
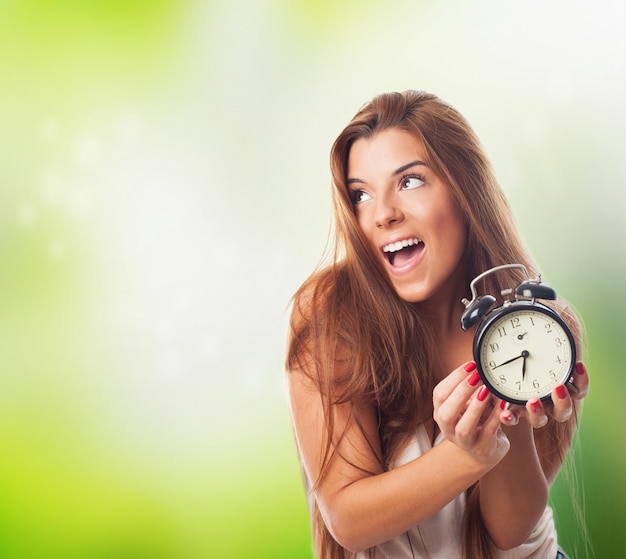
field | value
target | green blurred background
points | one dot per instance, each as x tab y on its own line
164	189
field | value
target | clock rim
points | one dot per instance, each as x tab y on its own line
497	314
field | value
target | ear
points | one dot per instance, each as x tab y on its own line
534	290
475	310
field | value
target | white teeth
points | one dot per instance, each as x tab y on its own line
395	247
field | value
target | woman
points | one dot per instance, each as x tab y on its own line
405	451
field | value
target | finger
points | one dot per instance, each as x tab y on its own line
447	385
511	413
492	422
580	382
459	397
562	405
472	418
535	413
510	419
492	428
449	411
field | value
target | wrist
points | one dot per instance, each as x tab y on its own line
475	464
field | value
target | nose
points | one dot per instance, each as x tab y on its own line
387	213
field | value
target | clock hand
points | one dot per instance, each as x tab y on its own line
521	336
525	354
510	360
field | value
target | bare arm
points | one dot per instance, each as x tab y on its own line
514	494
361	504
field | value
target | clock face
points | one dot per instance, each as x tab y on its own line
523	351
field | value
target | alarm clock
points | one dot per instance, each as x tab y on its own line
523	349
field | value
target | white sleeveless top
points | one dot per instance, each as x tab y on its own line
439	537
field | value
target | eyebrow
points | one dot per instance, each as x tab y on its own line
398	171
408	166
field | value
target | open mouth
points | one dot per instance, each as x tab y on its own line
400	253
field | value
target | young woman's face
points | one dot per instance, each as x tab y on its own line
408	214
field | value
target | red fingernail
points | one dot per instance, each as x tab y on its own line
561	391
509	417
502	404
474	379
535	406
483	393
580	368
469	367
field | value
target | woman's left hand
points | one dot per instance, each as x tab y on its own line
560	407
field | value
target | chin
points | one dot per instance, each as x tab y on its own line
411	295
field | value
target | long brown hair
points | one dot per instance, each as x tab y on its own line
347	317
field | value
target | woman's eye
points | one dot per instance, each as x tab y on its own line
411	182
359	196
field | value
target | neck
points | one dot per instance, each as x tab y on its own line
453	345
444	314
444	309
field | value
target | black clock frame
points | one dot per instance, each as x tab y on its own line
500	312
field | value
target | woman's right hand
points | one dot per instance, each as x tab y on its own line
362	503
465	414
